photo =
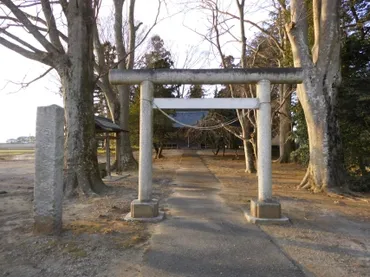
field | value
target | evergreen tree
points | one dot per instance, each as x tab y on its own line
196	91
158	57
354	99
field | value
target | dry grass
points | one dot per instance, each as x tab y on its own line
95	238
241	187
329	234
123	234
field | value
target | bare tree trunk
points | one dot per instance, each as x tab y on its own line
159	155
325	170
285	125
318	92
245	123
362	166
125	158
102	69
158	150
248	148
82	172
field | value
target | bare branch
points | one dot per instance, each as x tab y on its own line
28	4
64	5
52	27
24	85
242	32
18	13
9	18
286	97
283	5
151	27
27	84
17	39
257	26
36	19
231	131
132	34
103	83
316	6
42	57
121	51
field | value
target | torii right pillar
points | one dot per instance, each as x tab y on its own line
264	209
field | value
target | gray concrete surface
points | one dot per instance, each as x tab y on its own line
203	237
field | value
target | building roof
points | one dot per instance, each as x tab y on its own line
103	125
188	117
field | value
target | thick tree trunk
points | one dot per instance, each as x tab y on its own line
326	168
82	173
285	125
318	92
126	160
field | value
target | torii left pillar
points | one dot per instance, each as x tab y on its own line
264	209
145	208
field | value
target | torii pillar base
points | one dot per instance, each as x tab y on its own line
144	211
265	212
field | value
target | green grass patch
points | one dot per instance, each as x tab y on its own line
11	152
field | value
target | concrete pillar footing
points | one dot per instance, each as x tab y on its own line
266	221
158	218
144	211
265	208
265	212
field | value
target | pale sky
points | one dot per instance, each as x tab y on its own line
18	107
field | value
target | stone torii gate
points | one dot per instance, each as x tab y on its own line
262	209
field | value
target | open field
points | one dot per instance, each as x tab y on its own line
17	146
9	150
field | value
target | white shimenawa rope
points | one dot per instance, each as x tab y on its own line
207	128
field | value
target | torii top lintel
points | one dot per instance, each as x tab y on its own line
207	76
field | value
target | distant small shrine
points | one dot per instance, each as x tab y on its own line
106	126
